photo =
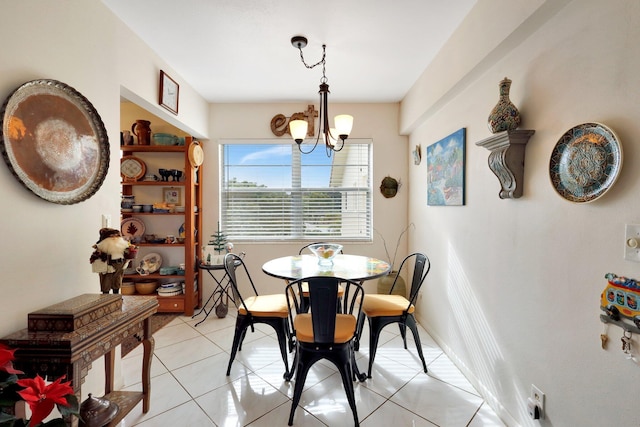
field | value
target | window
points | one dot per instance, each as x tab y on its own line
270	192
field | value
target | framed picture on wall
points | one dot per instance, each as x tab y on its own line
445	170
169	93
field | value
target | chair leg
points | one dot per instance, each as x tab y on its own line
281	332
303	364
359	326
241	329
375	326
403	333
411	323
242	337
347	381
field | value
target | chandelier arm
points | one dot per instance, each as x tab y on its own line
308	152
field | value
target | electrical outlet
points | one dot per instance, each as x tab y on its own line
632	242
106	220
538	397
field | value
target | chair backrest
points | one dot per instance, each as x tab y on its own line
421	267
236	269
314	243
323	302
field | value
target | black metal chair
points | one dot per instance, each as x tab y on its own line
383	309
323	333
269	309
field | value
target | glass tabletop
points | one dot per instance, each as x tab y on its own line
353	267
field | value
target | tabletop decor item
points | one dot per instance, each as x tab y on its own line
172	195
445	170
142	130
585	162
505	115
54	142
40	397
325	252
219	244
169	93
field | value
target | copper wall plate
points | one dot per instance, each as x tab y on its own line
54	141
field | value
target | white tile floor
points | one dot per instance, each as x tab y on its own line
189	386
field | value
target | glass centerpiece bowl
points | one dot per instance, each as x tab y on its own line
325	252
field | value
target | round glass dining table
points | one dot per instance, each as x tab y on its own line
352	267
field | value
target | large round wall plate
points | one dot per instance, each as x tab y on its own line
585	162
54	141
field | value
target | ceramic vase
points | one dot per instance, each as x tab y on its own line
142	130
385	282
505	115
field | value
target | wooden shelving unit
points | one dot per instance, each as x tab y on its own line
190	185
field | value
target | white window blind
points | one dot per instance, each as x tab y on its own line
270	191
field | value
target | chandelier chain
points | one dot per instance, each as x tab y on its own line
322	61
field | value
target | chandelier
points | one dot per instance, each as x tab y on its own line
333	137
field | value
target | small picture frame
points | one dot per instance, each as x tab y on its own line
169	93
172	195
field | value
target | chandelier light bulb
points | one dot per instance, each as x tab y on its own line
298	129
344	124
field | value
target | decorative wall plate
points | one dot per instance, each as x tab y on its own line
132	168
196	155
131	228
585	162
153	261
54	141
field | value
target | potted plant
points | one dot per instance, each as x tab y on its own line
385	282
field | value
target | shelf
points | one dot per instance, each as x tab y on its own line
506	160
153	276
154	148
156	183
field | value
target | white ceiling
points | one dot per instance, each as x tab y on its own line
240	50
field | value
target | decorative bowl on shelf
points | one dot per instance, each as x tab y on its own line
325	252
146	288
164	139
128	288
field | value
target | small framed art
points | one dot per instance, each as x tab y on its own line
169	93
172	195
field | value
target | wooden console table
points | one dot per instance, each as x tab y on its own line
99	324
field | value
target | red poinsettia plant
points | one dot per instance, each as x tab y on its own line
40	396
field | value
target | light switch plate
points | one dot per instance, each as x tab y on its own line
632	242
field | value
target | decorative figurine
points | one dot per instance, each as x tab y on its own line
110	257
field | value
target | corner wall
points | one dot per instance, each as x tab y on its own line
513	293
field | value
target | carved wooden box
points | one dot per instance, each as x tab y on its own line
74	313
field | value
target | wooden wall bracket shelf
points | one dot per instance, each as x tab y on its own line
506	159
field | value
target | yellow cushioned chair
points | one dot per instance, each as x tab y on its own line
324	332
383	309
269	309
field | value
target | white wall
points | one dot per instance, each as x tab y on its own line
513	294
